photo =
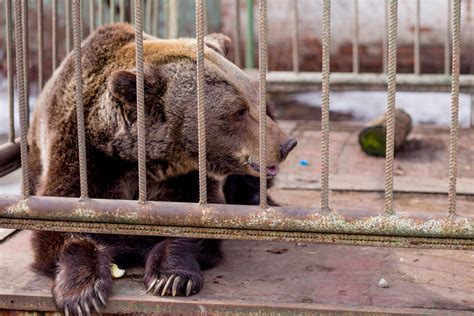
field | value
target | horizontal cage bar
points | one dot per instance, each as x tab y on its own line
234	222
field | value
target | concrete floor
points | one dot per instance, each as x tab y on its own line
266	276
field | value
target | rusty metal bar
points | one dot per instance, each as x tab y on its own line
262	101
295	37
67	9
91	16
325	94
112	11
289	81
9	44
416	43
201	102
122	10
149	12
173	16
454	130
355	36
40	44
26	59
100	20
390	115
237	56
54	39
190	219
385	38
20	69
156	18
77	35
140	101
9	157
447	40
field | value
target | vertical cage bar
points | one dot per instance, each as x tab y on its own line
91	16
454	130
132	13
40	44
156	17
173	23
112	11
77	38
206	18
20	68
67	21
149	11
447	40
326	42
201	102
140	101
9	44
385	38
54	39
26	60
390	116
237	57
295	37
355	36
416	48
100	20
262	73
122	11
249	43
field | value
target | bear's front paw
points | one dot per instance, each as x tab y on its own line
84	279
175	283
80	300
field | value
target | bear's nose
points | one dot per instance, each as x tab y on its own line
287	147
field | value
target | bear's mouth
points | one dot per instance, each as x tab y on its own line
272	171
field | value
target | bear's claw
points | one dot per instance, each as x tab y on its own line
165	286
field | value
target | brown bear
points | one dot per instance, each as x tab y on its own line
80	263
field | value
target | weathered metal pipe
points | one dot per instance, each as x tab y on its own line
173	214
9	157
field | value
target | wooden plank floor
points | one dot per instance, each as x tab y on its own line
265	276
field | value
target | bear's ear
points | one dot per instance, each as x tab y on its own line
122	85
218	42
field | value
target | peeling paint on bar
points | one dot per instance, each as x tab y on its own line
278	219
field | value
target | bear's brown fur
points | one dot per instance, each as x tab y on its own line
80	263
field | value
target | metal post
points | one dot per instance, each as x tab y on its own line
295	37
454	129
9	44
355	36
249	43
262	71
77	38
237	57
326	62
201	102
417	67
391	94
447	40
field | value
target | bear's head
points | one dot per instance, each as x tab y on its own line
231	103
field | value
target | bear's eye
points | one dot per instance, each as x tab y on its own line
240	114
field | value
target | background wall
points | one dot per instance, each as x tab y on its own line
371	20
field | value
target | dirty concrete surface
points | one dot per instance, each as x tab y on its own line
259	276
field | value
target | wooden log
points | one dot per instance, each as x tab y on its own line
372	137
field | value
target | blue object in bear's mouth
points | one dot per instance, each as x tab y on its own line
304	162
